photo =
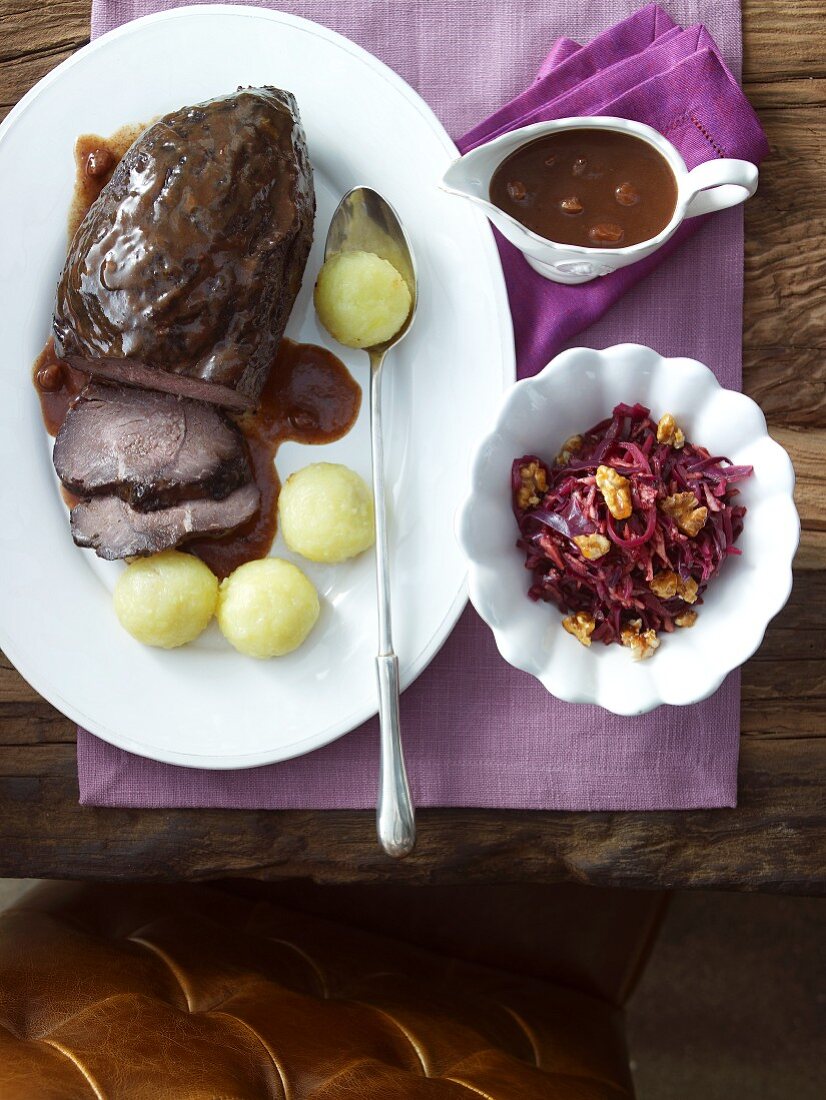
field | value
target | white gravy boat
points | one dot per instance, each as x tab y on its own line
711	186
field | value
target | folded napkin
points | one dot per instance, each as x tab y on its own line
679	85
477	732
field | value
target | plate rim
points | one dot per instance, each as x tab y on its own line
507	359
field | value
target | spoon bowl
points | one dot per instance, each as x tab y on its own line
366	222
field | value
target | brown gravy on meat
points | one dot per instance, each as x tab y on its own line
185	269
597	188
96	158
309	397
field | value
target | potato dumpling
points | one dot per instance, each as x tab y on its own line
325	512
361	299
267	608
166	600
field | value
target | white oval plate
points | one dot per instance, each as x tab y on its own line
204	705
577	389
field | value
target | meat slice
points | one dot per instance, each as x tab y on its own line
182	275
115	530
150	449
128	372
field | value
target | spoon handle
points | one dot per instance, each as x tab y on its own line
395	820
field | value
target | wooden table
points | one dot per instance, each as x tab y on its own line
774	840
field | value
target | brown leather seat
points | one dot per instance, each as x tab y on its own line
190	993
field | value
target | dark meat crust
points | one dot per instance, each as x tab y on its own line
183	274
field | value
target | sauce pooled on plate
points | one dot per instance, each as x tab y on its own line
309	397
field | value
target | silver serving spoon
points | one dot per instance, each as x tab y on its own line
364	222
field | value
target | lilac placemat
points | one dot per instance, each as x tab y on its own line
478	733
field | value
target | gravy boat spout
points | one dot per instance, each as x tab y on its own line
711	186
469	177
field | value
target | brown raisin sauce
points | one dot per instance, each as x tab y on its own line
57	386
588	187
309	397
96	158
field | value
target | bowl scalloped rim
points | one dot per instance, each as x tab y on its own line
527	634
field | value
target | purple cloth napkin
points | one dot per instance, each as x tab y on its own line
478	733
679	85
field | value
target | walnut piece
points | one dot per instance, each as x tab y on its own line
534	485
616	490
668	432
686	513
688	590
687	619
667	585
592	547
570	447
642	643
581	625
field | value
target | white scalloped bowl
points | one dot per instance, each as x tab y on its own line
577	389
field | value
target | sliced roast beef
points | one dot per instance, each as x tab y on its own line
128	372
115	530
150	449
183	273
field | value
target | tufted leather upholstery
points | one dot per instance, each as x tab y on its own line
189	993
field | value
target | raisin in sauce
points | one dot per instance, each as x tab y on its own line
96	158
57	386
309	397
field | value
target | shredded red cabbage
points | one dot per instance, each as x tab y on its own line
554	503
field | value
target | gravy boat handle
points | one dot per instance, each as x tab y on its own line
718	184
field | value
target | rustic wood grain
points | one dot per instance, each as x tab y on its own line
807	447
768	843
811	551
782	41
774	840
33	39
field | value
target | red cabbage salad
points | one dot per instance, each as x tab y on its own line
624	531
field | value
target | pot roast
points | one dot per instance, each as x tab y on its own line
182	275
152	470
113	529
149	449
